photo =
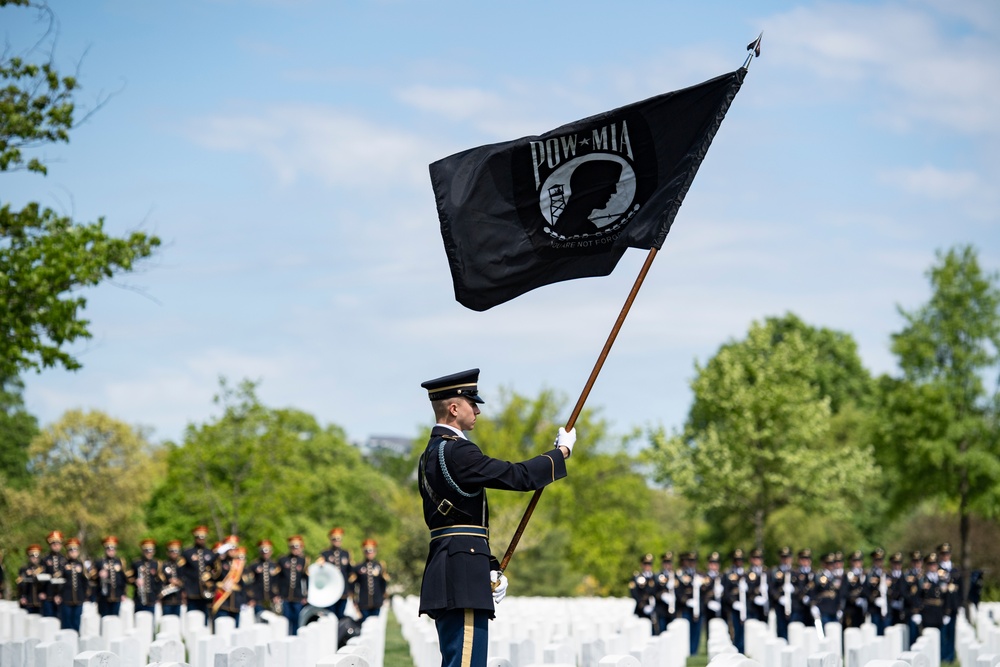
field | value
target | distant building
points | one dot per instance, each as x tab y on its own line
387	444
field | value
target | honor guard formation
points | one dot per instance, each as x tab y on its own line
217	581
922	591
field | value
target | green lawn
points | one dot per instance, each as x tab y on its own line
397	651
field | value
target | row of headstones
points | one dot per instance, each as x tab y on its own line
533	631
182	639
978	643
554	631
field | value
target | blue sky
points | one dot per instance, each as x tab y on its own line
280	150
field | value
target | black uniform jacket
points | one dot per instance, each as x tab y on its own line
457	573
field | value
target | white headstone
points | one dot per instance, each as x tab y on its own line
166	650
241	656
53	654
129	651
96	659
343	660
618	660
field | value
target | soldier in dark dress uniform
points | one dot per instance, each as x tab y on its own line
735	598
196	573
712	589
228	579
877	592
758	587
109	576
802	578
947	569
642	589
368	582
911	594
781	590
339	556
666	592
263	580
462	580
853	589
895	587
72	593
172	593
933	608
52	563
826	594
29	588
689	597
146	575
293	582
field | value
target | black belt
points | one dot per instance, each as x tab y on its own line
451	531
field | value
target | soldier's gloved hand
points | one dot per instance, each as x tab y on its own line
805	600
690	603
783	600
896	604
665	597
815	612
760	600
947	620
738	606
917	619
840	614
714	605
861	602
648	609
743	585
499	583
566	439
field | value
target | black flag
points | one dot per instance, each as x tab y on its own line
566	204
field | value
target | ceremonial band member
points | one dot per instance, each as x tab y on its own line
368	582
263	580
72	593
877	591
196	572
853	591
735	598
339	556
51	576
228	578
462	580
109	576
666	593
689	597
147	577
29	588
293	582
172	594
781	590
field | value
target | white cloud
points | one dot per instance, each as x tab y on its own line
932	182
301	142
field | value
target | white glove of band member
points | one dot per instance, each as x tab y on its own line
665	597
715	605
743	585
815	612
947	620
783	600
738	606
648	609
690	603
917	619
566	438
840	614
760	600
499	583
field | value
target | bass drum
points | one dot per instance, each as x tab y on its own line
326	584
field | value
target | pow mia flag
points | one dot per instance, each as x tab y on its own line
566	204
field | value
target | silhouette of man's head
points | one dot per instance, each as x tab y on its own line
594	183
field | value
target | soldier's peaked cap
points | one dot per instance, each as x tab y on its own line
786	552
462	384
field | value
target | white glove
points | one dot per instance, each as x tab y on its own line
499	583
815	612
783	600
690	603
714	605
947	620
566	438
743	585
917	619
738	606
648	609
760	600
861	602
840	614
665	597
805	599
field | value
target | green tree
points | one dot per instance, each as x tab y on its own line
92	476
939	434
17	428
761	439
46	258
261	472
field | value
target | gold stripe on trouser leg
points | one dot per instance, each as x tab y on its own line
467	639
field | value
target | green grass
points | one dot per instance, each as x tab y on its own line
397	650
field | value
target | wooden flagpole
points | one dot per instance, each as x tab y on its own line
583	398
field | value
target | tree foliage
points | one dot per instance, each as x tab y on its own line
92	476
761	438
17	429
261	472
46	258
939	433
